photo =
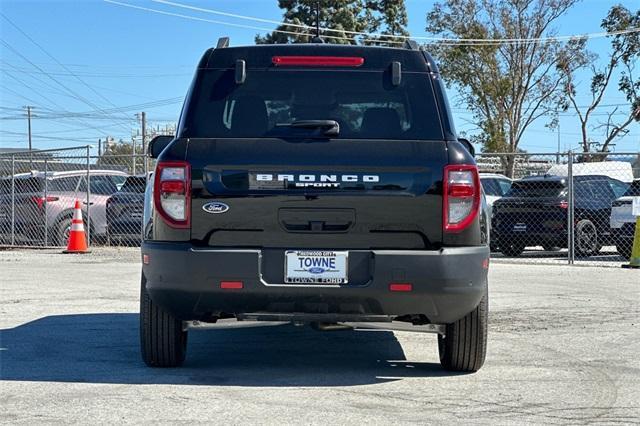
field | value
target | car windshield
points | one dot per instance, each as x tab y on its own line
633	190
536	188
364	104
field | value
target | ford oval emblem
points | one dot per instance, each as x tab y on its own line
215	207
316	270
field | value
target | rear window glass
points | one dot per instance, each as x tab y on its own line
65	184
634	189
536	188
134	184
22	185
364	103
491	187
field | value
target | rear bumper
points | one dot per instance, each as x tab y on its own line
446	284
557	238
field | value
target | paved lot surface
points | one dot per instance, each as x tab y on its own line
564	348
608	257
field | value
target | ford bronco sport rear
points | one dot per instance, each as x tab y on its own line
315	183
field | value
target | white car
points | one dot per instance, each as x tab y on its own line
622	221
495	186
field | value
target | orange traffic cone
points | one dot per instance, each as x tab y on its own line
77	238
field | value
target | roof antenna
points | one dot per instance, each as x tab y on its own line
317	38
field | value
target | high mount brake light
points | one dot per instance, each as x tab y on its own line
460	196
318	61
172	192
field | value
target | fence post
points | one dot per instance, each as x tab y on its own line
570	213
88	198
46	191
13	200
145	165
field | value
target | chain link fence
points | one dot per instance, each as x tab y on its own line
39	189
560	207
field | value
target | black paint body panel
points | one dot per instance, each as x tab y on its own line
391	224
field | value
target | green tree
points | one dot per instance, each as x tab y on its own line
622	57
119	155
508	85
388	17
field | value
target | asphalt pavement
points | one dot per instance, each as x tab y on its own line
564	348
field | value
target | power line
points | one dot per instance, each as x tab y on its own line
47	99
211	21
99	75
426	38
56	60
74	94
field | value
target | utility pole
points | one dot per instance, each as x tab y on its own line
558	155
143	116
28	107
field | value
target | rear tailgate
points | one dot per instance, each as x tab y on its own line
530	216
352	194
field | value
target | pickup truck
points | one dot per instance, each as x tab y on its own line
320	184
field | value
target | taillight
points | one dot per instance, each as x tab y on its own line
172	192
460	196
42	201
318	61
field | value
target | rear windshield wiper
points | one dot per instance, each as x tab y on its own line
328	127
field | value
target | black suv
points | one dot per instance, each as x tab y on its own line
535	213
321	184
124	212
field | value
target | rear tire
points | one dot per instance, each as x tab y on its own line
163	342
62	230
511	249
586	238
464	347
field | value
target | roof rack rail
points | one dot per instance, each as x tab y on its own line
411	44
222	43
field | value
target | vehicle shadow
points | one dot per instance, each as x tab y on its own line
103	348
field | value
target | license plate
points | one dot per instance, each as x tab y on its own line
315	267
520	227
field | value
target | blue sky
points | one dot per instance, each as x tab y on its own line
134	60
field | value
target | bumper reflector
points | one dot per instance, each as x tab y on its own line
231	285
145	259
400	287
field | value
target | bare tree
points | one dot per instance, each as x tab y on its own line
623	57
509	85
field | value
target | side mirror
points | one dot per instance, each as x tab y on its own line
468	145
157	144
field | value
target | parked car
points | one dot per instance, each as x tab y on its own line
623	222
125	211
535	213
494	186
619	171
321	184
44	204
